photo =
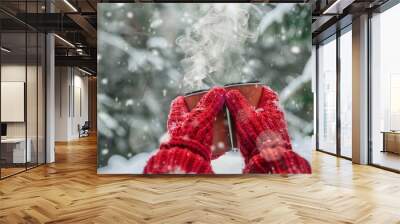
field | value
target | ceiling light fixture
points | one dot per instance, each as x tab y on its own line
79	51
337	7
64	40
84	71
5	50
70	5
329	9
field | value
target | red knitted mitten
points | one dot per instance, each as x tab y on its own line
262	135
277	160
188	149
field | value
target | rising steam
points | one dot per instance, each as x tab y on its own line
213	45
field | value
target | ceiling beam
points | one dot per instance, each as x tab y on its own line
86	26
49	22
337	7
320	23
77	61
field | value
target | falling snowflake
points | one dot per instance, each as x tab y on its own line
156	23
295	49
129	15
129	102
104	151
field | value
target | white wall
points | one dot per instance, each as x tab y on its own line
81	103
17	73
10	73
71	94
61	103
33	126
13	100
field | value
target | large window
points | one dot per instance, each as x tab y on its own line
327	96
385	89
346	93
333	136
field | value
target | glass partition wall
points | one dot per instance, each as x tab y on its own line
22	94
334	105
13	89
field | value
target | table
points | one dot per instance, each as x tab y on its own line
391	141
13	150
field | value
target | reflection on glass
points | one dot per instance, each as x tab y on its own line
14	151
386	89
327	96
22	92
346	94
31	100
41	97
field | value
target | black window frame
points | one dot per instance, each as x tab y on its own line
335	36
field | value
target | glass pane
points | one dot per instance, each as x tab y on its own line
327	96
41	99
31	97
31	86
13	87
346	94
386	89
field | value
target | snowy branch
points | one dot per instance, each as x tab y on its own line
275	15
297	82
137	57
299	123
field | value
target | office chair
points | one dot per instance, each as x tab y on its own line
84	130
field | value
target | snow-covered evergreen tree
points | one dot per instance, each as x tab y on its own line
149	53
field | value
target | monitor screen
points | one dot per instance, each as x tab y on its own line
3	129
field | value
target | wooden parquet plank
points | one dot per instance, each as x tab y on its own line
70	191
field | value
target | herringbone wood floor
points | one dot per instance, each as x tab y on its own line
70	191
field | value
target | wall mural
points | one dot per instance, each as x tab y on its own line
204	88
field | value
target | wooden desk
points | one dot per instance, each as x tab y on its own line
391	141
